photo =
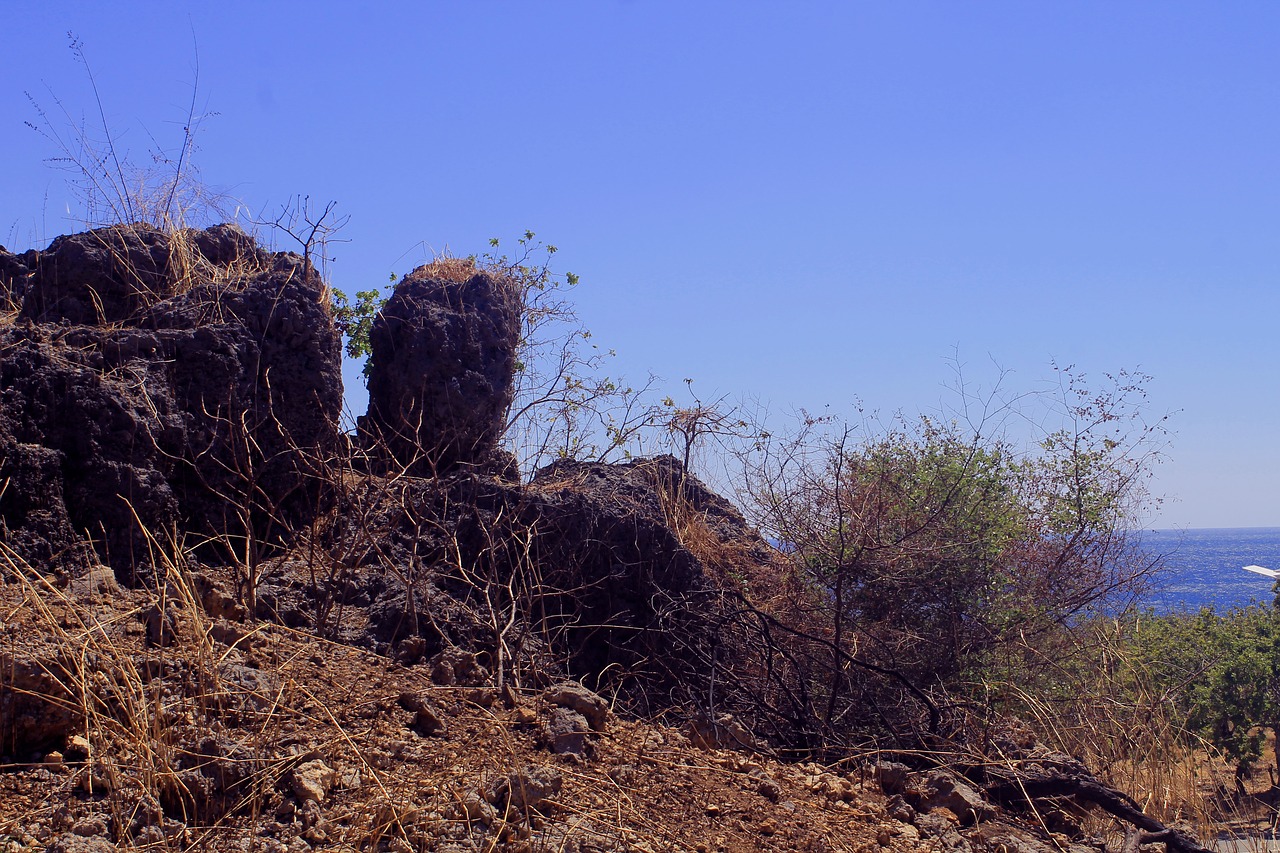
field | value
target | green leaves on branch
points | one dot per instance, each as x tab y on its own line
1220	671
355	321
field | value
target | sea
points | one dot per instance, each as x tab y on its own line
1206	567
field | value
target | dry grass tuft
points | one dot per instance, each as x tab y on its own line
1135	742
457	270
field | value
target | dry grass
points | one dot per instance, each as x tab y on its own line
1133	739
445	268
157	689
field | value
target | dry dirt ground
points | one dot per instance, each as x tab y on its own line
222	737
131	721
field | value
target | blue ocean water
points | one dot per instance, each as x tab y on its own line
1205	566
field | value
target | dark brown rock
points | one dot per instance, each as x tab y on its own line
36	710
113	275
103	276
69	842
426	717
155	381
945	790
527	790
15	274
440	375
619	593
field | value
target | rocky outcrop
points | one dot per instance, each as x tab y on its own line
440	374
102	277
590	569
607	537
154	381
190	383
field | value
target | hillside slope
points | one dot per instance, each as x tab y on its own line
226	626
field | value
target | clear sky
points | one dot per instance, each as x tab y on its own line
808	202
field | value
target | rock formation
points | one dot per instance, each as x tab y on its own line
154	382
189	383
589	559
440	376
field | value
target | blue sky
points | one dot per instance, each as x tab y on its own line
811	203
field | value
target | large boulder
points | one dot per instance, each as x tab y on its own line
108	275
155	382
610	573
441	369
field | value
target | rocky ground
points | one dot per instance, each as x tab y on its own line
232	736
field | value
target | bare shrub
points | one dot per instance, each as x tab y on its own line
167	193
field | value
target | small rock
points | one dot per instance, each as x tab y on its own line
769	789
77	748
70	843
315	835
228	633
724	732
567	732
625	775
98	580
899	809
947	791
475	807
834	787
427	723
312	815
162	625
445	666
410	650
312	780
529	789
87	827
575	697
149	836
219	602
892	776
94	780
937	825
946	814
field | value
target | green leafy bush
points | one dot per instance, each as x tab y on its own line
1221	672
942	559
